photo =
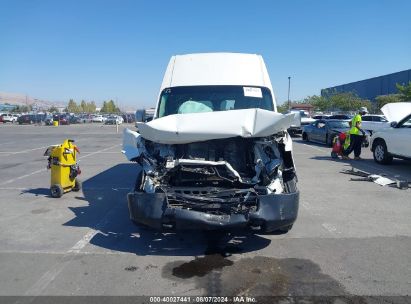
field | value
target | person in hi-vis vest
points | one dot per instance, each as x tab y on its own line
356	136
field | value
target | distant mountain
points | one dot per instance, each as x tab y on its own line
41	104
21	99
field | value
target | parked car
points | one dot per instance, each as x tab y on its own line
74	119
128	118
8	118
324	130
85	118
113	120
304	120
63	119
341	116
144	115
373	122
322	116
394	141
30	118
97	118
1	119
48	121
216	156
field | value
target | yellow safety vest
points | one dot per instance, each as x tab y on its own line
347	140
354	130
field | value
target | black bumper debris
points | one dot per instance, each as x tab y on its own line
274	212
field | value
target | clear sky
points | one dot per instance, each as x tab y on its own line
97	49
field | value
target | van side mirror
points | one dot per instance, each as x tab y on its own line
393	124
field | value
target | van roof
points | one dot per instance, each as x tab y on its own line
216	69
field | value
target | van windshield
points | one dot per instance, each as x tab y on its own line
197	99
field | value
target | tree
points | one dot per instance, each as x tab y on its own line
283	108
91	107
53	109
319	103
405	91
343	101
104	108
384	99
109	107
72	107
347	102
22	109
83	106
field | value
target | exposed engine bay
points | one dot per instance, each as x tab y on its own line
221	176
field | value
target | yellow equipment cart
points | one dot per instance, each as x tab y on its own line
64	168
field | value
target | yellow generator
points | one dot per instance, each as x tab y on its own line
64	168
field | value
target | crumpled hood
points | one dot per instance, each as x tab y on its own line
195	127
396	111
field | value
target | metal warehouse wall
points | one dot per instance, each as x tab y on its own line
373	87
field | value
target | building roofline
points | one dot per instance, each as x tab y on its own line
376	77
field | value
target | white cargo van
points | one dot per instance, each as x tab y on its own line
217	154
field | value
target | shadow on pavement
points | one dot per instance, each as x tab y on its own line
107	212
38	191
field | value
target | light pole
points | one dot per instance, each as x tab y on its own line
289	83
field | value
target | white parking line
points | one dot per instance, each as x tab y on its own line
45	170
329	227
29	150
100	151
112	152
23	151
83	242
309	208
23	176
49	276
63	252
84	188
316	148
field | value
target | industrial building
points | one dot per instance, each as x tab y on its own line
7	107
372	87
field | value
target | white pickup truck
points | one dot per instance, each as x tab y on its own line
9	118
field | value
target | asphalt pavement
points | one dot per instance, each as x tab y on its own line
350	238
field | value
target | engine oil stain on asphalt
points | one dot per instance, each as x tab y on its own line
199	267
222	271
40	211
131	268
254	276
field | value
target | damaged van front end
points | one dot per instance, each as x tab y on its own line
234	173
